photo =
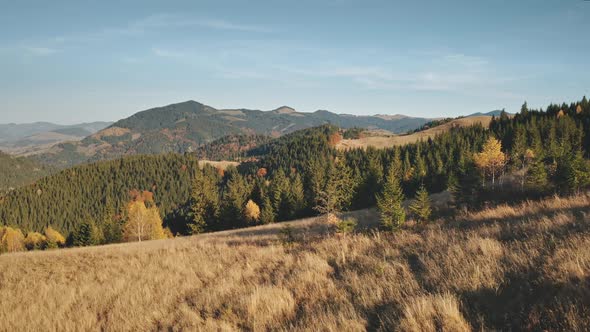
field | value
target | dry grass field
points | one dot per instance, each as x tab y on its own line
523	267
388	141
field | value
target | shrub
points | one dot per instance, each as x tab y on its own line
35	241
346	226
54	238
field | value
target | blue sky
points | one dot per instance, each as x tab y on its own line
73	61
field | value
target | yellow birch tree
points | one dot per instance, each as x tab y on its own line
491	160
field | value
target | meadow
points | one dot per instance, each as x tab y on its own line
520	267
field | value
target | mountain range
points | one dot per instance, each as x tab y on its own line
182	127
29	138
187	126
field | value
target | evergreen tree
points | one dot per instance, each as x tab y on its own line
234	200
453	186
297	194
537	176
337	192
267	214
85	235
519	152
577	172
524	109
203	203
390	200
420	207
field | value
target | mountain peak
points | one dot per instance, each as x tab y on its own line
391	117
284	110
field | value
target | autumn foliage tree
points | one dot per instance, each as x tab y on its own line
143	222
11	240
35	241
252	212
54	238
491	160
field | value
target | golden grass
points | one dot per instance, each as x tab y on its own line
224	164
388	141
505	268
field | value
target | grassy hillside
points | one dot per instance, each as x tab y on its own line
522	267
380	140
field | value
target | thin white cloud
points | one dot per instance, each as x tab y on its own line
432	71
157	22
40	51
226	25
164	53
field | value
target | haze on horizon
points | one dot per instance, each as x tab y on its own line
68	61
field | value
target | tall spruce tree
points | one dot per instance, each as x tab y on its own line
420	207
390	200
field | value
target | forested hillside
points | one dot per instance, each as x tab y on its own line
299	174
16	172
187	126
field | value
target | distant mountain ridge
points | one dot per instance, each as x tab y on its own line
13	132
492	113
186	126
32	138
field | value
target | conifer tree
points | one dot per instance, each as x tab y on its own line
420	207
297	194
337	192
524	109
201	203
389	201
453	186
577	172
519	152
537	176
234	200
84	235
267	214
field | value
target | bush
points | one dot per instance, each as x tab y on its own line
35	241
346	226
287	235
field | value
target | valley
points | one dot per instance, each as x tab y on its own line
294	166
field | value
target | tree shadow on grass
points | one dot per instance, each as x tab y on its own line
527	302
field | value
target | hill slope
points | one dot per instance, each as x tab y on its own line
16	172
381	140
186	126
522	267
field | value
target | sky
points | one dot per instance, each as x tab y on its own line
77	61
